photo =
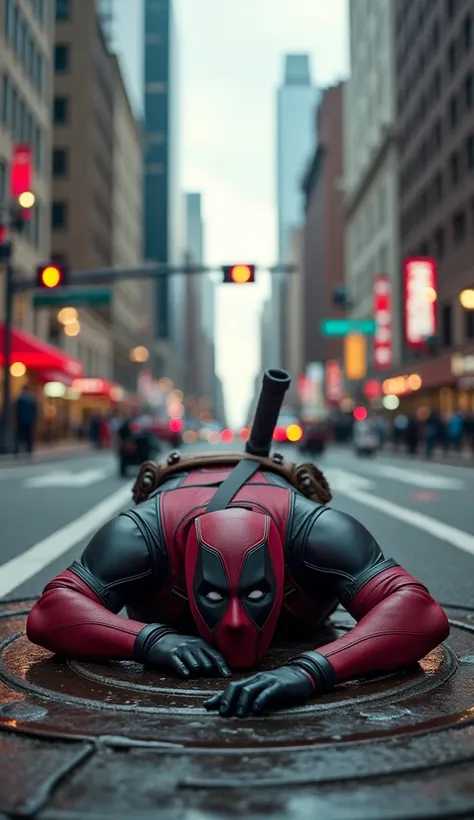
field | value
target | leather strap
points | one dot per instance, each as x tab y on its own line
231	485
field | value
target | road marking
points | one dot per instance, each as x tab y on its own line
29	563
444	532
343	479
419	479
66	478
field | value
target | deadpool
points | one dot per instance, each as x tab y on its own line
205	592
220	557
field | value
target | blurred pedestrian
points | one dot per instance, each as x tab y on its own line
26	416
412	435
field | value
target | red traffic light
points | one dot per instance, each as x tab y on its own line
50	276
239	274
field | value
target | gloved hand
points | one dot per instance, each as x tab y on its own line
279	688
188	656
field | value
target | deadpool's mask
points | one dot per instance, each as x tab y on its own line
235	575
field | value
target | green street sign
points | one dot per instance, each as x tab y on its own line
65	297
341	327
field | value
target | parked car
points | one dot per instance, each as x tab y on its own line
288	429
365	437
315	437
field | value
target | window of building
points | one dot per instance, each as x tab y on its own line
60	162
452	58
454	162
61	110
459	227
437	84
63	10
61	58
469	90
38	147
14	118
439	244
59	216
446	326
438	138
3	181
438	186
7	18
435	35
470	152
450	8
467	31
453	112
38	74
156	88
154	39
6	99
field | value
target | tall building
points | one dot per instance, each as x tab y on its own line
292	314
370	161
200	379
297	100
323	234
26	46
435	92
96	183
132	313
164	202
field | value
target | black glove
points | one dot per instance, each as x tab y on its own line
186	655
305	675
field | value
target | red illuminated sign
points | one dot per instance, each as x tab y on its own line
21	178
372	389
420	294
333	381
383	352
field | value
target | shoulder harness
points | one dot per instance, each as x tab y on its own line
305	478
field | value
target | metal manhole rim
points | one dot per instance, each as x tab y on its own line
19	684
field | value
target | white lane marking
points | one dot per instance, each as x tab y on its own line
343	479
23	567
66	478
444	532
428	481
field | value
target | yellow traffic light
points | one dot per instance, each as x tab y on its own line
51	276
239	274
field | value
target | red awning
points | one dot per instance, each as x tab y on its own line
38	355
98	387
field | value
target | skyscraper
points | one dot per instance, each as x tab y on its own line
163	201
297	101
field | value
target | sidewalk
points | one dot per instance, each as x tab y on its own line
47	452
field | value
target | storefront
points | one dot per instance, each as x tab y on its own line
50	373
95	397
444	384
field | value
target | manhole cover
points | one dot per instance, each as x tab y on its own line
113	740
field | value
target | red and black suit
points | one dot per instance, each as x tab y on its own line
206	591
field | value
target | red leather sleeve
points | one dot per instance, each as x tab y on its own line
69	619
398	624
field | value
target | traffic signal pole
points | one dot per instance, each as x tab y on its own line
95	276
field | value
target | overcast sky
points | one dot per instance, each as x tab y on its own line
231	62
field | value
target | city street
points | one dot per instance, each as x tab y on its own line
421	515
341	757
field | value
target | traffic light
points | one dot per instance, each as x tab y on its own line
239	274
51	276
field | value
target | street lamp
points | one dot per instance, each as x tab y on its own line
466	298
